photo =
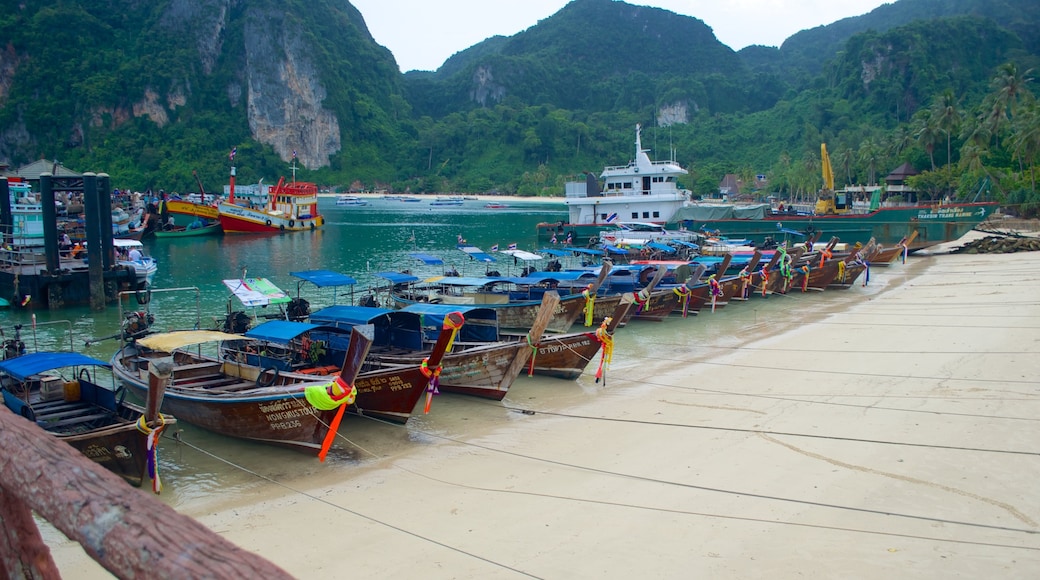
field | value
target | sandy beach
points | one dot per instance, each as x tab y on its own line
887	431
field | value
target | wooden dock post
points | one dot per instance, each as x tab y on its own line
130	533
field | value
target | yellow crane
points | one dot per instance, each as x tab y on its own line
825	201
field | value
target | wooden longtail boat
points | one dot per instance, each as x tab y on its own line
782	275
480	362
565	356
852	267
261	403
816	270
516	307
884	256
73	407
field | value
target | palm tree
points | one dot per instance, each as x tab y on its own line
1026	138
947	118
926	132
870	155
845	158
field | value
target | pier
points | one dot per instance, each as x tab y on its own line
40	275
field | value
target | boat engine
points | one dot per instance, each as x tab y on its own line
236	322
136	324
14	347
298	310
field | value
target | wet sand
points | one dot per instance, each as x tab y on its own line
881	431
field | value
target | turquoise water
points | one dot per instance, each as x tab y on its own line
357	240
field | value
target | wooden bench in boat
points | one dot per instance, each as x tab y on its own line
66	413
193	369
223	380
192	380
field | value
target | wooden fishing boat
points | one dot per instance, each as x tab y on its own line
566	356
516	300
60	392
886	255
242	393
852	268
211	229
480	362
291	207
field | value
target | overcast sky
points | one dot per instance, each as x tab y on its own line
422	34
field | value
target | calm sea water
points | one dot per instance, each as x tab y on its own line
356	240
205	469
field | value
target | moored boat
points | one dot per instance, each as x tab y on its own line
62	393
292	207
643	190
212	229
350	200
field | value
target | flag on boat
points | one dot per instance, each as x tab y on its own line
231	155
512	246
461	239
494	248
294	154
612	218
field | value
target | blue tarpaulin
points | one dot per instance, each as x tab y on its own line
393	328
477	254
279	331
25	366
324	278
397	277
427	259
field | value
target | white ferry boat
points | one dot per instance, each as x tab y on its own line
643	190
350	200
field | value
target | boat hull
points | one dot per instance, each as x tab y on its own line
186	212
933	224
235	219
210	230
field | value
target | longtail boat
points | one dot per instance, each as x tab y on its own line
61	392
228	395
516	300
480	361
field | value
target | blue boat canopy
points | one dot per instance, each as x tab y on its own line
279	331
687	244
397	277
477	254
791	232
393	328
464	281
587	251
25	366
427	259
481	323
613	249
325	278
662	247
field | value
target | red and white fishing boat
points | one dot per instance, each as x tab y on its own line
291	207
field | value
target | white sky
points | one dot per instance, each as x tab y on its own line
422	34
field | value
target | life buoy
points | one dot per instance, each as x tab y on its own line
593	240
273	371
292	223
268	222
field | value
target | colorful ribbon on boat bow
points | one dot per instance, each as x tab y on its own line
641	298
765	280
534	353
590	304
683	292
152	448
607	351
825	255
745	282
805	277
434	380
716	290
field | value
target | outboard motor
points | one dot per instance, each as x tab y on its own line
236	322
298	310
369	301
136	324
14	347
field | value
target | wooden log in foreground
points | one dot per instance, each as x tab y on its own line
130	533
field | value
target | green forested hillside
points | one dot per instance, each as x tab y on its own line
150	91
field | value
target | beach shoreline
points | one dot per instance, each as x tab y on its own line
887	430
